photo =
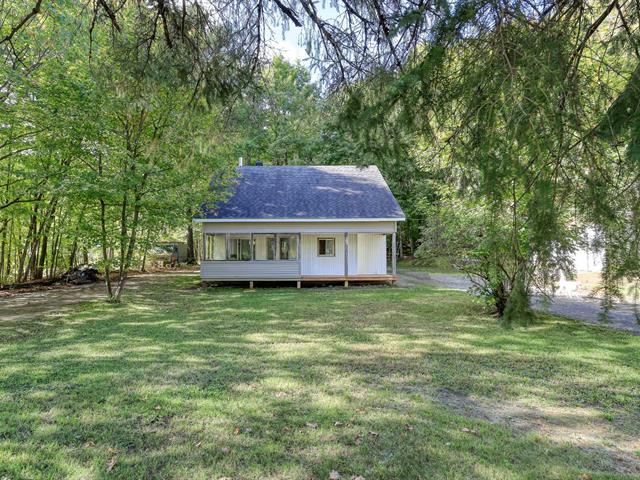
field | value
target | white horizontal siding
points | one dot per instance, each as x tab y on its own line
296	227
252	270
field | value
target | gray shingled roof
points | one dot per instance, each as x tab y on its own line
323	192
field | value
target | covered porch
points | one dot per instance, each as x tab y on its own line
319	255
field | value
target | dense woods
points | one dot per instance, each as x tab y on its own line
505	128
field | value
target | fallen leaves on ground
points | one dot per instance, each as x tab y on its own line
111	463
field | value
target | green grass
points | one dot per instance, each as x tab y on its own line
181	382
435	266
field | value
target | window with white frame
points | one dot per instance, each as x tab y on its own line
239	247
215	247
288	247
264	246
326	247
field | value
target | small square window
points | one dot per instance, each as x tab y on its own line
326	247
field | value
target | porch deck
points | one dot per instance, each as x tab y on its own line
350	278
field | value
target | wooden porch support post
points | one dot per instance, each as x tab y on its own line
346	259
393	253
298	250
251	285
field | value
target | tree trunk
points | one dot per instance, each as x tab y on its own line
126	259
7	268
55	255
43	239
22	274
42	257
105	254
72	255
3	247
191	252
143	264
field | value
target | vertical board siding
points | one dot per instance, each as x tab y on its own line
372	254
312	264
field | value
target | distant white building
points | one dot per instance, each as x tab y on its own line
587	260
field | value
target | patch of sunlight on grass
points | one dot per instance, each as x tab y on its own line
281	383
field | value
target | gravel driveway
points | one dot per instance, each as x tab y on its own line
584	309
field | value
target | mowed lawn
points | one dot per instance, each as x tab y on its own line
376	382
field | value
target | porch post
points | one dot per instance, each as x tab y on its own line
393	253
346	259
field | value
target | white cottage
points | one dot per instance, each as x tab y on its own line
326	223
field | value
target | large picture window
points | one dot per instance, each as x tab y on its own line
326	247
239	248
288	247
264	246
215	247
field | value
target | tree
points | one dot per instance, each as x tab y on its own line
533	102
116	147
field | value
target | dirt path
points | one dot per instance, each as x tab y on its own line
51	302
583	309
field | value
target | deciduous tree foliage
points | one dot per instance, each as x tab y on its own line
531	105
100	151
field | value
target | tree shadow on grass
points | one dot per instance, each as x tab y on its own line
276	384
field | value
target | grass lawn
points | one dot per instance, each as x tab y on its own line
378	382
440	266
